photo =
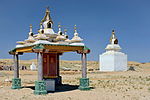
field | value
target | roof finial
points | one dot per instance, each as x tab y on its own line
47	9
47	16
30	33
48	13
76	38
113	39
113	33
65	31
30	27
41	27
75	28
59	27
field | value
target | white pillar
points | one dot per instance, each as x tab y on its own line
40	67
84	65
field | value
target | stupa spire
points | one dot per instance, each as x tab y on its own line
30	32
47	16
76	38
113	38
113	34
75	28
30	27
59	27
65	31
41	27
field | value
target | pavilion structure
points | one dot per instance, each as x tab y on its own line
49	45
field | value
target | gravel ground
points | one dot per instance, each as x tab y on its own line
129	85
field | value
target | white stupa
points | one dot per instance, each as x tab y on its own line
113	59
32	66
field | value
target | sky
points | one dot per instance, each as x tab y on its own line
95	20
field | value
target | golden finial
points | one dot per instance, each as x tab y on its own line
113	38
47	9
41	26
30	27
75	28
113	31
59	26
65	30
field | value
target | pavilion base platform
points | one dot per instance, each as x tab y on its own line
50	85
84	84
40	88
16	83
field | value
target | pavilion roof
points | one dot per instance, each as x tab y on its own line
48	48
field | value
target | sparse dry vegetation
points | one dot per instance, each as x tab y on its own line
128	85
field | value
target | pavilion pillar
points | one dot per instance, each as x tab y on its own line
40	67
84	65
16	81
84	81
40	84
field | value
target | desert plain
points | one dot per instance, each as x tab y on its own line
133	84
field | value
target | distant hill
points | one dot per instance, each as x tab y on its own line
74	65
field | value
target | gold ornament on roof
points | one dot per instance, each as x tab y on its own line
65	31
76	38
75	28
30	39
47	16
30	27
59	26
113	38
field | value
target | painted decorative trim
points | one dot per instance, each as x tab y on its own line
39	46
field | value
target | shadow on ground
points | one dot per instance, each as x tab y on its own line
66	87
60	88
31	87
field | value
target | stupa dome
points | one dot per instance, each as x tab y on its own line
76	38
114	47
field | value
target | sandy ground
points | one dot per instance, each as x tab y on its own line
129	85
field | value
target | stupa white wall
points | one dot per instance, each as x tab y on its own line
113	59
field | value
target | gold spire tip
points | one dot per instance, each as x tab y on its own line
65	30
75	27
30	25
59	26
113	31
47	9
